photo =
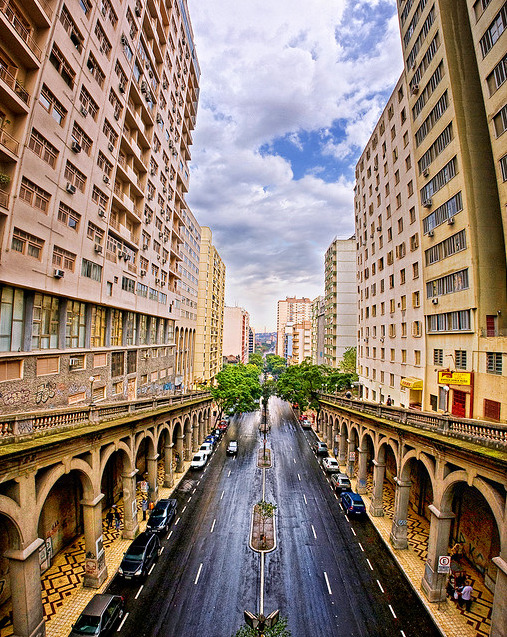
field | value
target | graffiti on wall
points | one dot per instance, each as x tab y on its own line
14	396
44	392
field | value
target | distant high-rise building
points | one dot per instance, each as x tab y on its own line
99	251
291	310
251	340
236	333
210	311
318	330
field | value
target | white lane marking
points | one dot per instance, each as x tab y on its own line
222	495
139	591
313	531
122	622
169	535
403	634
152	567
183	509
299	477
327	583
177	521
213	525
361	546
352	530
189	499
229	473
380	586
194	491
392	611
369	564
161	550
294	460
304	496
198	574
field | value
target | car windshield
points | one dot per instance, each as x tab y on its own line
135	553
87	625
157	515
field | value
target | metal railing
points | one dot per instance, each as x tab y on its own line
9	142
16	427
24	33
13	84
479	431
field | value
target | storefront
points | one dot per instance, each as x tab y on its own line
415	387
458	388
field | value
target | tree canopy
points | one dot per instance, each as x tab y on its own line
257	360
348	364
275	365
237	389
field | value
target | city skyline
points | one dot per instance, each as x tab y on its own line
288	100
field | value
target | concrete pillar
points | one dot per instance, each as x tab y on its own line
27	612
499	610
152	469
342	449
95	559
433	583
377	500
130	523
361	471
350	459
398	536
168	465
195	437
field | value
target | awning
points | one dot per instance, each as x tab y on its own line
412	383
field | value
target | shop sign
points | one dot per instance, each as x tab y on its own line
454	378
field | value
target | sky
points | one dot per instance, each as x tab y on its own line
290	91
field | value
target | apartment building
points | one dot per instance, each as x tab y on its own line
99	251
210	311
236	333
390	334
455	65
318	330
301	342
290	310
340	300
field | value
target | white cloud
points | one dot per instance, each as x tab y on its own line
273	70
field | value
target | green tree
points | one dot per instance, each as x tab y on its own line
301	383
237	389
275	365
348	363
279	630
257	360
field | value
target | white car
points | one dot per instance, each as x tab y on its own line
206	448
330	465
199	460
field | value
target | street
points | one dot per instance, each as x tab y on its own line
329	576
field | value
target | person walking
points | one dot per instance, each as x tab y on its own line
389	401
117	519
144	506
109	518
466	595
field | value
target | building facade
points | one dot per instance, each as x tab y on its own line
210	311
236	333
99	251
290	310
301	342
318	330
340	300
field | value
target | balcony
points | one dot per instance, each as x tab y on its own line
17	99
4	199
8	142
18	25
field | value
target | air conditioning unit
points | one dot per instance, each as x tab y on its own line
105	179
450	221
102	212
143	272
70	188
145	246
121	87
97	248
75	147
74	362
426	172
110	147
434	301
414	89
152	171
84	112
58	274
431	233
427	203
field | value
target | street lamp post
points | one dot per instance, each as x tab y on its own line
92	380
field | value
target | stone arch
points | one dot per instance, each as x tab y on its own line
45	482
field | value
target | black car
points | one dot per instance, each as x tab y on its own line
161	516
100	617
140	555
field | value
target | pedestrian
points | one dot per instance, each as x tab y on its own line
144	506
117	519
389	401
109	518
466	595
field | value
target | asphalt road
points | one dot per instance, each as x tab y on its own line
329	576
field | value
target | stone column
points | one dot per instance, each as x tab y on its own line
361	471
168	466
152	467
195	438
27	612
377	500
398	536
350	454
499	610
130	523
433	583
95	560
342	449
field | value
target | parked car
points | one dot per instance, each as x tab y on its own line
330	465
199	460
223	425
207	448
232	448
320	448
306	423
341	482
100	617
352	503
140	555
162	516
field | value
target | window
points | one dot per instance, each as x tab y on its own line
402	276
91	270
48	365
106	8
75	176
416	299
491	325
76	324
46	311
417	329
428	90
27	244
110	133
98	329
95	70
105	45
403	302
435	114
438	357
63	259
494	31
492	409
11	370
425	28
62	66
42	148
443	177
100	198
117	105
70	27
443	213
458	321
33	195
12	311
129	285
414	242
81	138
142	290
104	164
494	363
500	121
117	363
52	105
503	167
95	233
86	6
460	358
417	357
448	284
415	270
404	356
497	76
88	104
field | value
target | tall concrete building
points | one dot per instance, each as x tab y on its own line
210	311
236	333
99	252
340	300
290	310
301	342
318	330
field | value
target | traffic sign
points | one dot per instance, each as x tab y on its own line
444	564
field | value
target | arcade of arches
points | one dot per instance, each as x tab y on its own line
57	487
458	486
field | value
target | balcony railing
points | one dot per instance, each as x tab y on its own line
4	199
18	426
13	84
20	28
8	141
479	431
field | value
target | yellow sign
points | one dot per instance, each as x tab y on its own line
454	378
412	383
